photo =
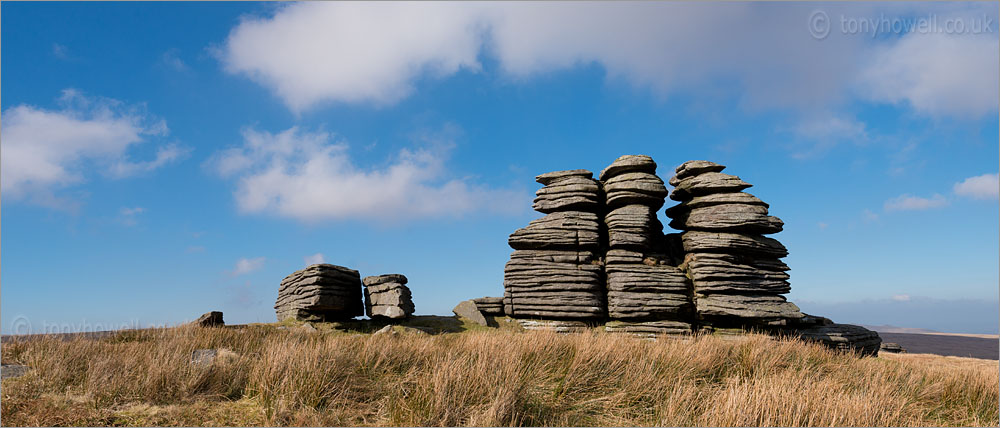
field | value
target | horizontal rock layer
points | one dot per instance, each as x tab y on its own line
707	183
562	230
320	292
753	308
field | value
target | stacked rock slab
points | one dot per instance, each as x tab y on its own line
489	305
321	292
646	294
554	271
387	296
736	271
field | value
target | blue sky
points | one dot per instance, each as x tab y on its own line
161	160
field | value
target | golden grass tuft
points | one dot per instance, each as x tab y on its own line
483	378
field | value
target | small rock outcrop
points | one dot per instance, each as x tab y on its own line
8	371
210	319
490	305
844	337
321	292
555	271
387	296
469	310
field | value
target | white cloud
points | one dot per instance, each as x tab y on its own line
307	53
986	186
245	266
44	150
901	297
314	259
345	51
936	74
308	176
171	59
822	225
909	202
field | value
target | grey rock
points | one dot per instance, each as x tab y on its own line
203	357
732	243
320	292
398	278
623	256
726	273
844	337
554	256
641	277
554	325
649	327
892	348
467	309
210	319
556	176
562	230
728	218
489	305
629	163
388	299
8	371
750	307
640	182
707	183
714	199
694	167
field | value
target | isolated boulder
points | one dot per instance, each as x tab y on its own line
210	319
321	292
467	309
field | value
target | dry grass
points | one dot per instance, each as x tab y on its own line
484	378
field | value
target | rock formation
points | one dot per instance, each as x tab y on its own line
489	305
386	296
468	309
554	271
645	293
736	271
321	292
600	254
209	319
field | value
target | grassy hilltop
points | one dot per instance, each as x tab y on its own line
293	375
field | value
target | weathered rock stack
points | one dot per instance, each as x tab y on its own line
387	296
320	292
554	271
645	293
737	273
489	305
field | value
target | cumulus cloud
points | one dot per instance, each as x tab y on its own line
314	259
346	51
307	53
936	74
909	202
310	176
44	150
245	266
986	186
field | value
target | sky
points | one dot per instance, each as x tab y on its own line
162	160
